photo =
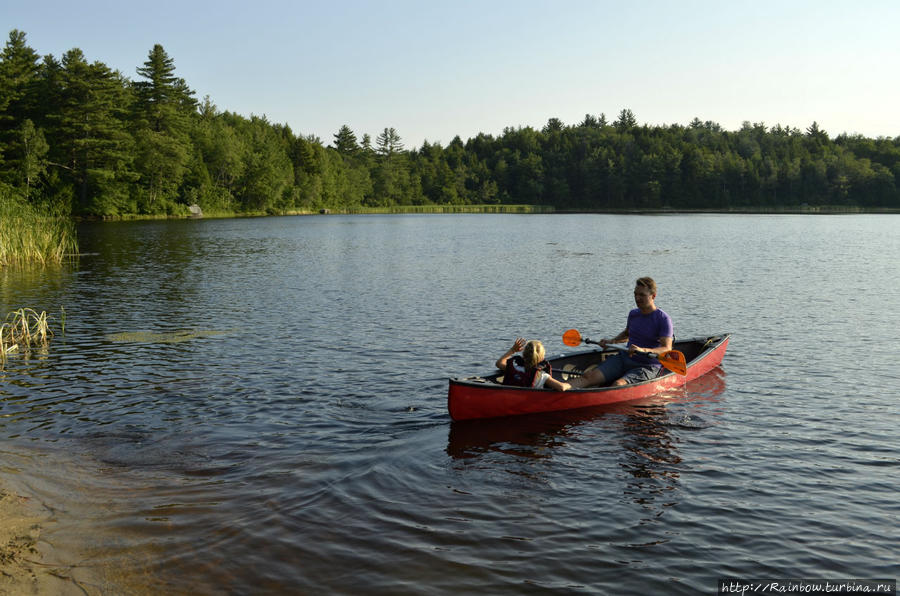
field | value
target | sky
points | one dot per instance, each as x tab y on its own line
435	69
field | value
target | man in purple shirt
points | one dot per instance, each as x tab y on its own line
649	330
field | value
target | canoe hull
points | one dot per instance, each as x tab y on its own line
483	397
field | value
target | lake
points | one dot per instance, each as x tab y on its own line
259	406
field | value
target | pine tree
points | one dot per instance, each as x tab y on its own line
164	101
390	179
345	141
164	107
626	120
389	143
90	134
18	74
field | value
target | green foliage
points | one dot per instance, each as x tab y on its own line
88	136
77	138
28	235
26	152
163	109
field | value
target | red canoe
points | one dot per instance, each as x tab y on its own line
485	397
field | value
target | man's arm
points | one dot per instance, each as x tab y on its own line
615	340
665	344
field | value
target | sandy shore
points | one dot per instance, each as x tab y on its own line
19	531
22	566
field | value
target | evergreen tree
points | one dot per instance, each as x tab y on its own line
164	106
345	142
390	171
18	74
164	101
553	125
626	121
91	137
366	143
389	143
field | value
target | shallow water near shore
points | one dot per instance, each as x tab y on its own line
259	406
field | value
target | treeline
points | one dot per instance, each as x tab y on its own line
79	138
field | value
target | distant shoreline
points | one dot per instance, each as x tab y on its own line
522	210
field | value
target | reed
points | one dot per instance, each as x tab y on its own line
24	328
6	345
450	209
29	236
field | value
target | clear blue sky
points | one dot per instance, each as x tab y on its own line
433	69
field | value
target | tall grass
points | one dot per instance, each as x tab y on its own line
451	209
23	329
29	236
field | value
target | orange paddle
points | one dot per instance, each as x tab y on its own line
572	338
672	360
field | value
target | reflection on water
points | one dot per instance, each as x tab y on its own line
649	455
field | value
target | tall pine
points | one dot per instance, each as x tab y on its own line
18	74
164	107
90	136
345	142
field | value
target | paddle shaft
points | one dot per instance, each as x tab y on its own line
620	348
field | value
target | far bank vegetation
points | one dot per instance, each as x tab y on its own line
80	139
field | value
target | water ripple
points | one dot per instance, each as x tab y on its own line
261	404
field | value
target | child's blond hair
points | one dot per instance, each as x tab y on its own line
533	353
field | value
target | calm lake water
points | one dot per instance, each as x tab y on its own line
259	406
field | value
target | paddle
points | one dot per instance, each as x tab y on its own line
672	360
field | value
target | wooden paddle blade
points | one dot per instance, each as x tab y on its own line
572	337
674	360
569	370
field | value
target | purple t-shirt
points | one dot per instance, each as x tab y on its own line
644	331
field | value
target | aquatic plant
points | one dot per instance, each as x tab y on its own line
172	337
24	328
6	345
29	236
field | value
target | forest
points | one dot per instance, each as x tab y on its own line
79	139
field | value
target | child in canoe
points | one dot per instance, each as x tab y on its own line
530	369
